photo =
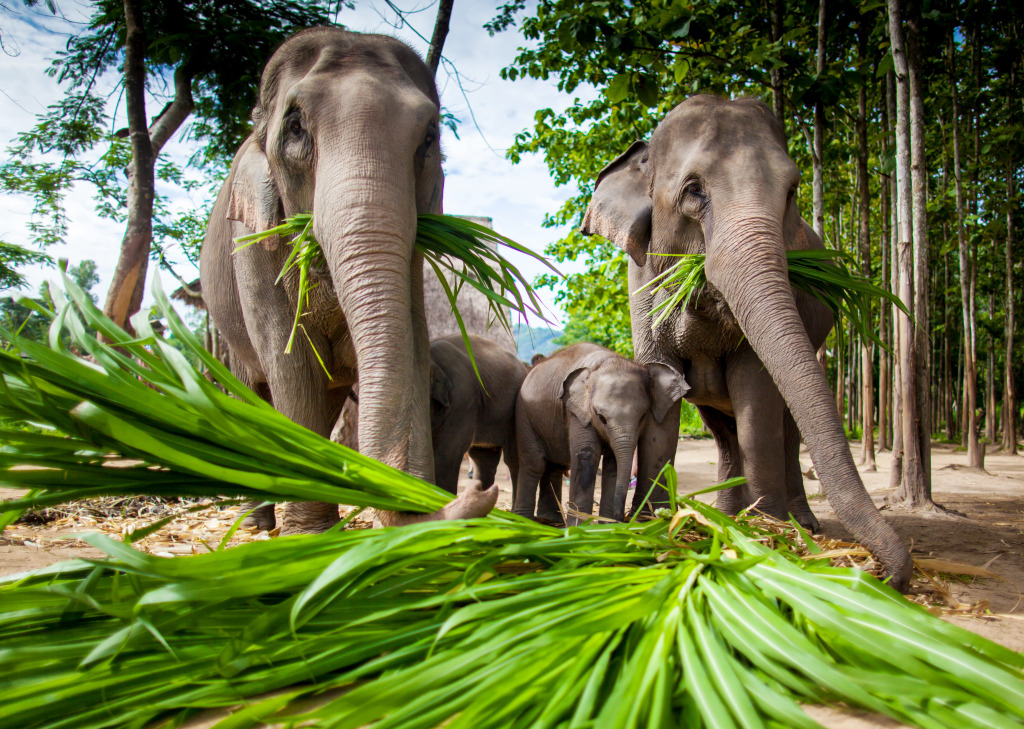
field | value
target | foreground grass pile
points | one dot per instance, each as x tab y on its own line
692	619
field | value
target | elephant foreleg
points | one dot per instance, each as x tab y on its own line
549	503
655	450
796	497
585	450
759	430
730	459
531	469
611	505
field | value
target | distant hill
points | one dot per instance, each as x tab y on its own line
534	340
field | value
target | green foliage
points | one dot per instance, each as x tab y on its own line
690	621
24	316
643	59
12	256
690	422
219	47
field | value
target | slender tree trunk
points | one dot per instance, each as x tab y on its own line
919	483
1009	396
134	258
778	100
444	15
884	377
913	490
990	378
896	468
819	132
124	297
947	367
867	395
975	455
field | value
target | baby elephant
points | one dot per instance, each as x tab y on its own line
466	415
579	404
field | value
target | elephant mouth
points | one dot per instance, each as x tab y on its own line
707	310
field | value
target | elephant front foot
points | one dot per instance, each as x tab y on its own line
309	517
262	517
475	501
805	518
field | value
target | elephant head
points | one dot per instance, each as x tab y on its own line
615	398
347	127
716	179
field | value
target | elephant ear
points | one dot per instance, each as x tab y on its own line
254	200
575	395
440	386
667	388
621	206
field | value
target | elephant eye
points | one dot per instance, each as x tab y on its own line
603	419
294	124
430	138
693	188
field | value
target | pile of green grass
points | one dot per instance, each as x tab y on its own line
693	619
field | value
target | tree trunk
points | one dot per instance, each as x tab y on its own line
990	378
914	488
124	297
867	395
975	455
947	366
778	100
896	468
884	378
819	133
920	485
444	15
1009	396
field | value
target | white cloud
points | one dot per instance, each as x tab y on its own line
479	181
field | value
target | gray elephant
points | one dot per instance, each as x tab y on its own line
716	179
471	414
346	126
583	403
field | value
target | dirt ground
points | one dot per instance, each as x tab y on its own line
989	535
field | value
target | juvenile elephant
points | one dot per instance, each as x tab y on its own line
579	404
346	126
716	179
469	415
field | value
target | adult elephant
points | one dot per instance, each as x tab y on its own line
347	127
716	179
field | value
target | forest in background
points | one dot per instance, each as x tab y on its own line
902	117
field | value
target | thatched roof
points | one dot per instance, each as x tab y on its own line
191	295
473	305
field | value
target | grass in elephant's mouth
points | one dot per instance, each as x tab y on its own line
825	274
690	619
451	245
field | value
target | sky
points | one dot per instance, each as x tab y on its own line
479	180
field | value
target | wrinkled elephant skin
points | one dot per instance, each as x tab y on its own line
716	179
346	126
471	414
578	406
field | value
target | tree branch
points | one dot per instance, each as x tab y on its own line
175	113
444	14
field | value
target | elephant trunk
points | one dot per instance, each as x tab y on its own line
746	261
365	220
623	448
